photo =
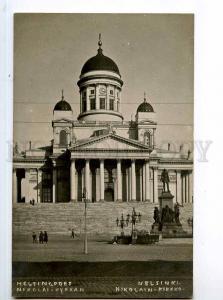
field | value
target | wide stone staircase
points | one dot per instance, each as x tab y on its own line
60	218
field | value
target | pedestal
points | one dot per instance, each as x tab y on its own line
169	224
166	198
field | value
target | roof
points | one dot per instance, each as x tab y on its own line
63	105
145	107
100	62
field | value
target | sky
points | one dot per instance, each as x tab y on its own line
154	53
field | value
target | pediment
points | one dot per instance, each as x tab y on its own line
110	142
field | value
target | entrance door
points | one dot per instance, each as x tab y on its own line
109	185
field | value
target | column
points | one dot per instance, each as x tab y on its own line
133	180
155	182
15	185
144	182
87	178
179	186
73	183
119	180
39	185
183	188
127	184
90	186
107	97
141	183
102	183
54	185
97	96
98	189
87	99
187	187
147	185
190	188
81	98
151	184
26	186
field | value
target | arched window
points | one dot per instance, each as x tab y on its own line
63	138
147	138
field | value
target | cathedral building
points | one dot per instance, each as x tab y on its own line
111	159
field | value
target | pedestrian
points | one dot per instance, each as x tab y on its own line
45	237
41	237
34	237
72	234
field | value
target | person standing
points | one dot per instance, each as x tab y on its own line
41	237
45	237
34	237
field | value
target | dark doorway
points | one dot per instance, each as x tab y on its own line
109	195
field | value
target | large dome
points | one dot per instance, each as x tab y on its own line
100	62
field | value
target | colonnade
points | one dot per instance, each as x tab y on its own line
132	181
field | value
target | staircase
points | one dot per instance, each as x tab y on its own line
60	218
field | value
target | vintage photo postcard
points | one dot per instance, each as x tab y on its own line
102	156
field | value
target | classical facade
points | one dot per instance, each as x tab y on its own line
112	159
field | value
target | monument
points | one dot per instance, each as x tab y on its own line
166	217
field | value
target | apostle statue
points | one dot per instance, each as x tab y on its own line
165	180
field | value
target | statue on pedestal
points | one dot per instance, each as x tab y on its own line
165	180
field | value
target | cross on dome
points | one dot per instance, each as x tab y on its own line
62	97
99	41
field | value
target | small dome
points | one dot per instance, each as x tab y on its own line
63	105
100	62
145	107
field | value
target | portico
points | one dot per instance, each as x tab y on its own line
112	166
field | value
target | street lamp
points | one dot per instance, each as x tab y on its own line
84	197
133	219
122	223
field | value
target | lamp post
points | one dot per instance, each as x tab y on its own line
84	197
122	223
133	219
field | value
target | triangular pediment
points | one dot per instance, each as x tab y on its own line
110	142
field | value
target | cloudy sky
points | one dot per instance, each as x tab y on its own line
154	53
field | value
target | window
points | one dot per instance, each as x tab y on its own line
118	103
92	103
111	104
84	105
111	92
147	138
102	103
63	138
92	92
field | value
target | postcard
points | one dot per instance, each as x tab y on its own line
103	156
